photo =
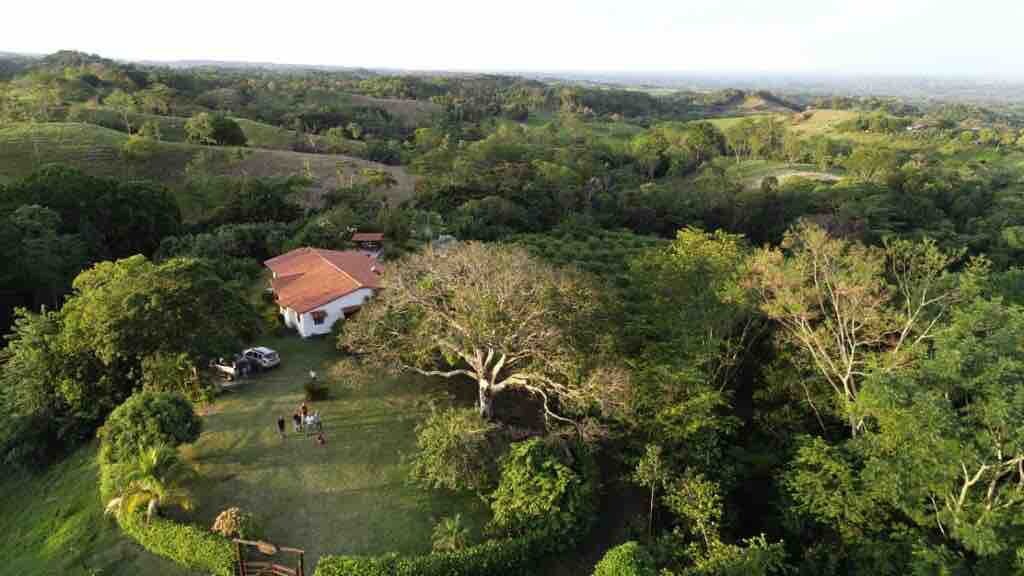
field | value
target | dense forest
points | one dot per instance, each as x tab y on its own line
704	333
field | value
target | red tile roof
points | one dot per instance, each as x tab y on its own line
368	237
306	278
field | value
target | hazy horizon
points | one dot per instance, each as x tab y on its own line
911	38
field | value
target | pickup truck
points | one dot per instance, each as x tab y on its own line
239	367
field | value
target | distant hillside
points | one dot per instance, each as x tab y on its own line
744	103
257	134
412	112
98	150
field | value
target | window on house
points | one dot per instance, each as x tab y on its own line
319	316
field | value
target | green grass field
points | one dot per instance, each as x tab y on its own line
752	172
54	524
350	496
823	121
725	123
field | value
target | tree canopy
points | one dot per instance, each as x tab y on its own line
499	318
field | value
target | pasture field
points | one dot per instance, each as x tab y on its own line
753	172
725	122
412	112
823	121
98	151
172	129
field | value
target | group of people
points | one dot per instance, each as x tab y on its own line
304	421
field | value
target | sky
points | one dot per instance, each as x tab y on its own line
844	37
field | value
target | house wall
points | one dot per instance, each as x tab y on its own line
307	327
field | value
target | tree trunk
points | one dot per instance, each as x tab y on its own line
151	509
650	515
486	400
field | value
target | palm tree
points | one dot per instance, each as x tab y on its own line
153	477
450	534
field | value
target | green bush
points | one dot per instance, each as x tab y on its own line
234	523
505	557
455	451
165	372
315	390
138	148
538	493
185	544
629	559
450	534
552	530
214	129
145	420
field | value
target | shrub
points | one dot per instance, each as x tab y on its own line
206	128
145	420
234	523
629	559
504	557
455	452
449	534
185	544
273	322
315	390
162	372
138	148
151	130
538	493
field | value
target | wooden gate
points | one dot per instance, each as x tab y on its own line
263	559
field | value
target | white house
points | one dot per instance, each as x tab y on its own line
315	288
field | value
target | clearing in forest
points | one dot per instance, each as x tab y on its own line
350	496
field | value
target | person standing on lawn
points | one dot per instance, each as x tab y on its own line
280	426
297	421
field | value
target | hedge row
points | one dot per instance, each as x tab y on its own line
506	557
185	544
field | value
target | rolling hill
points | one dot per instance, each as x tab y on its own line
172	129
99	151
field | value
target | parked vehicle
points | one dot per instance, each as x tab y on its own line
239	367
262	357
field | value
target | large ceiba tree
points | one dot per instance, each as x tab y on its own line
500	318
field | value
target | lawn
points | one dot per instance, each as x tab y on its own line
53	523
350	496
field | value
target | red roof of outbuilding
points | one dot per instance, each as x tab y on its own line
306	278
368	237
